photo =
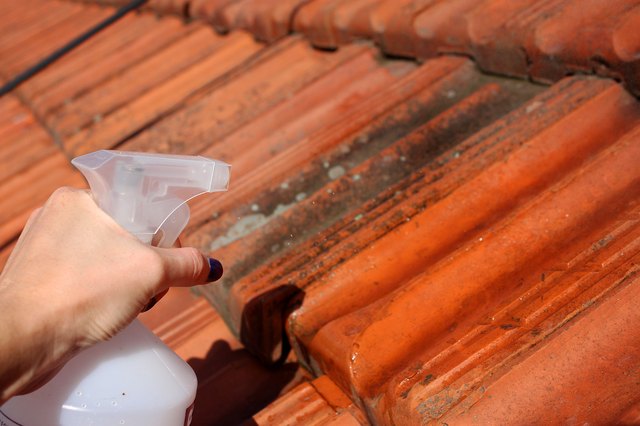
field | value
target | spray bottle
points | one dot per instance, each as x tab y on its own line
134	378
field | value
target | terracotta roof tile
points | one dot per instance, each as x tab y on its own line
304	400
74	77
96	50
206	10
25	24
436	244
464	284
104	98
24	52
268	20
442	28
232	384
30	188
363	182
318	402
563	39
598	337
390	21
330	23
254	284
337	139
257	85
625	40
162	99
179	7
542	39
501	34
485	204
32	167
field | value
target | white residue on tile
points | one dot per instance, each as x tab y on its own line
336	172
246	225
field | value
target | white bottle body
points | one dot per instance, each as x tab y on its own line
133	379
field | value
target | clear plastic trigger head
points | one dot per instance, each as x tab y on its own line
147	193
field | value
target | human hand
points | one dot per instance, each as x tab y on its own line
76	278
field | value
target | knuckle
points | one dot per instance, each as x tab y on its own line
155	265
34	214
58	194
196	265
62	192
63	195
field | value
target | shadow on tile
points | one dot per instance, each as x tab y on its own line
264	317
233	385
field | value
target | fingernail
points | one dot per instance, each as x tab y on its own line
215	271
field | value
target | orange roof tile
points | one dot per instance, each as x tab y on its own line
54	94
435	243
32	167
542	39
312	403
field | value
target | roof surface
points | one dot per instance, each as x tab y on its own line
433	203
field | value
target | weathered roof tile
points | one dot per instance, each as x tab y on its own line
74	76
313	403
32	167
268	20
328	23
579	38
106	97
23	53
424	235
243	93
163	99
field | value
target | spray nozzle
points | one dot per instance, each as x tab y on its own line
147	193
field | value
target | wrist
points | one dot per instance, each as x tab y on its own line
32	343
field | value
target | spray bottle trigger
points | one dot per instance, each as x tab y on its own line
146	193
170	229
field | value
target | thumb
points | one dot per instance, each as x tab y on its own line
188	266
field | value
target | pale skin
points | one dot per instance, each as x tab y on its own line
76	278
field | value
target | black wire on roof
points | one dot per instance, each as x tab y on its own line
45	62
